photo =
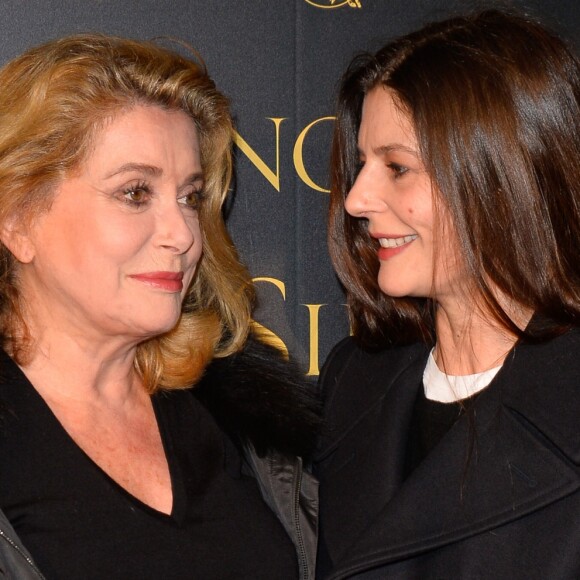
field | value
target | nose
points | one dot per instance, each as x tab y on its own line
176	227
365	195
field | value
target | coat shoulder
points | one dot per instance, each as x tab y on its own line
545	390
353	379
350	364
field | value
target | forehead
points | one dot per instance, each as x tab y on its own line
384	120
145	134
145	119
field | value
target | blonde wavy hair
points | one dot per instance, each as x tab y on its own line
53	101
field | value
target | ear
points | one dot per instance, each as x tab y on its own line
15	236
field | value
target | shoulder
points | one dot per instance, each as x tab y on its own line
348	356
349	366
550	368
258	397
353	379
543	386
339	359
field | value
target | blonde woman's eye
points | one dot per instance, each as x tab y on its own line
137	195
192	199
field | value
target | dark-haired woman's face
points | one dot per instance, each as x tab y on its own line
393	192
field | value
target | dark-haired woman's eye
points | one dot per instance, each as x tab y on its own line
397	169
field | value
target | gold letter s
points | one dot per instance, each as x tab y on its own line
264	333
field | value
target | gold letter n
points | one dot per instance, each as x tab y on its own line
271	176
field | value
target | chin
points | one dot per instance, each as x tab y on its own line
400	288
393	290
150	329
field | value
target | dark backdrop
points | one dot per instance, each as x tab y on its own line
279	61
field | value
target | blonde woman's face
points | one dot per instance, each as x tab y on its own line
116	252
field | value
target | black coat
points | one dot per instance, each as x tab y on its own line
509	508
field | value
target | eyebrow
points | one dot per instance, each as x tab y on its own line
397	147
142	167
152	171
393	147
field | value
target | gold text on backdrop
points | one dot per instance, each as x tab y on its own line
313	316
273	175
334	3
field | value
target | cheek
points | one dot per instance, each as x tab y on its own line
448	250
195	256
135	230
196	249
78	241
422	215
118	241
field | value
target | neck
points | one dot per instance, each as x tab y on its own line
470	340
72	368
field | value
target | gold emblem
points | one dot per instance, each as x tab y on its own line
334	3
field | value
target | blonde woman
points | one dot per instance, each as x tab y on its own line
119	286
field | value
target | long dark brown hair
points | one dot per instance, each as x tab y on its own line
494	100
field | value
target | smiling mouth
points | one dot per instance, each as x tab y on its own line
396	242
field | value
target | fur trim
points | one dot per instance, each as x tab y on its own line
258	397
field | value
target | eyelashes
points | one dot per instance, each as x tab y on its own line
137	195
397	169
193	199
140	194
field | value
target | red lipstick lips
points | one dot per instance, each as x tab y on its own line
168	281
386	253
391	245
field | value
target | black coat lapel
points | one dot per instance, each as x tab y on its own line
361	442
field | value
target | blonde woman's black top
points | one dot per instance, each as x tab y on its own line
76	522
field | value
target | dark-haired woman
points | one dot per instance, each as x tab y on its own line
453	443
